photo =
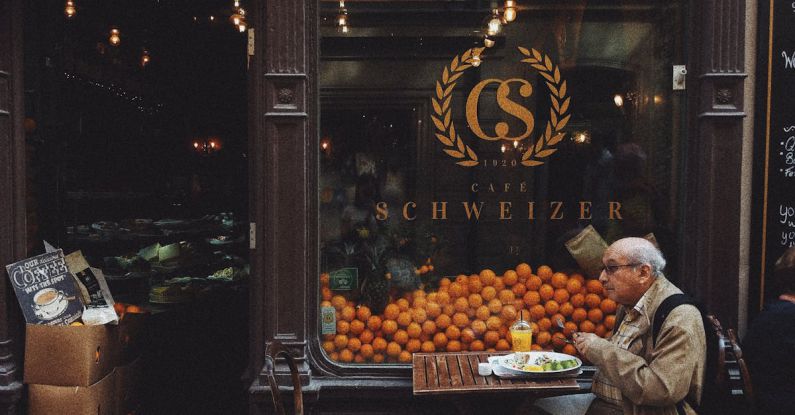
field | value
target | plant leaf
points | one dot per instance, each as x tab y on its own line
471	154
460	144
466	54
563	122
557	75
436	108
539	144
446	103
563	89
456	154
445	76
449	89
555	103
454	63
548	63
553	117
439	125
456	76
539	67
556	139
532	163
467	163
446	141
546	153
439	91
546	76
447	119
565	106
537	54
524	51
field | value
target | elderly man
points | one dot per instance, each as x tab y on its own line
637	375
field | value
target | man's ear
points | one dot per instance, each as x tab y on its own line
646	275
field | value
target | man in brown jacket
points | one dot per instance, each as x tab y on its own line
636	376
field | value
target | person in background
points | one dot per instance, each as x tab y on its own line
636	375
769	345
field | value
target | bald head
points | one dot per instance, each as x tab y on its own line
631	265
639	250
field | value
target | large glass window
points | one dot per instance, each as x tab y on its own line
473	167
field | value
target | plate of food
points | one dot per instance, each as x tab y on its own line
539	363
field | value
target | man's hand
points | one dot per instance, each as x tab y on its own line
582	341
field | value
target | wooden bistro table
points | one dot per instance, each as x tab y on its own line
454	376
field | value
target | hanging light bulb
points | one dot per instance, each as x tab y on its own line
488	41
242	26
509	12
236	18
618	100
70	10
494	23
342	18
145	58
476	60
115	37
237	4
515	143
503	148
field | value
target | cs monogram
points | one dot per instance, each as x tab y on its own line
544	145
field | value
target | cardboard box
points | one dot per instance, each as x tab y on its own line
98	398
129	387
132	333
69	355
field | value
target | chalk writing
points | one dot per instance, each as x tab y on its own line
789	61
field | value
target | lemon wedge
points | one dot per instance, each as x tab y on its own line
532	368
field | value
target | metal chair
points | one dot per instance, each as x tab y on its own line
275	350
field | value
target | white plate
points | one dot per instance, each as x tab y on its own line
507	362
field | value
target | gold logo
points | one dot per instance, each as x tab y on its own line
536	153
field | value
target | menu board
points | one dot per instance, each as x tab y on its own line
777	45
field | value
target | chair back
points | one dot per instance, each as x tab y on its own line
732	381
275	350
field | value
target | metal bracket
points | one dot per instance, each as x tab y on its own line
679	77
252	235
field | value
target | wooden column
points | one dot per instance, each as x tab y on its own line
12	198
715	78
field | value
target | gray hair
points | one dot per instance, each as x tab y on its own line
642	251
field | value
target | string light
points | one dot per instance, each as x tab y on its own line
145	58
509	11
618	100
476	60
136	100
115	37
494	23
70	10
342	18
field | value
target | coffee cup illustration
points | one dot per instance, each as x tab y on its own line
49	303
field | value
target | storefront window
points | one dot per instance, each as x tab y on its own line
473	168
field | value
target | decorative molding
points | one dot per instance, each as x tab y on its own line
285	95
724	96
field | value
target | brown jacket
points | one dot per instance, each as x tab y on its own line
652	379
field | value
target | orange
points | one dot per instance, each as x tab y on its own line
561	295
461	304
488	293
587	326
413	345
346	356
393	349
608	306
577	300
610	322
343	327
366	351
322	304
456	290
366	337
546	292
543	338
429	347
475	301
462	279
403	304
545	324
519	290
594	286
334	356
592	301
354	344
325	293
444	282
363	313
389	327
433	310
483	312
506	296
401	337
495	306
579	315
555	319
510	277
358	358
425	337
460	320
419	302
453	333
391	311
348	313
535	347
379	345
477	346
573	286
403	319
357	327
429	327
504	331
474	284
404	356
491	338
328	336
566	309
533	283
479	327
338	302
432	297
570	349
499	285
443	321
419	315
524	270
595	315
378	358
537	312
440	340
532	298
544	272
558	340
454	346
324	278
487	277
468	335
502	345
414	330
508	314
448	309
328	346
600	330
569	328
551	307
443	298
559	280
340	341
578	277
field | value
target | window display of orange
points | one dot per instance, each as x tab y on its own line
561	295
403	304
559	280
440	340
579	315
610	322
502	345
479	327
475	301
608	306
389	327
519	290
524	270
343	327
340	341
508	314
379	345
537	312
354	344
400	337
491	338
325	293
577	300
429	327
468	335
495	306
366	337
444	282
531	298
448	309
433	310
600	330
346	356
328	346
587	326
404	357
555	319
499	285
545	324
357	327
443	298
546	292
393	349
551	307
558	340
474	284
461	304
348	313
443	321
403	319
323	303
419	315
366	351
391	311
419	302
482	313
506	296
334	356
544	272
378	358
577	276
595	315
592	301
338	302
566	309
533	283
460	320
487	277
510	277
414	330
573	286
594	286
453	346
428	346
477	346
569	349
543	338
569	328
461	279
452	333
456	290
488	293
363	312
432	297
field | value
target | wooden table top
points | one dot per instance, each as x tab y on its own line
453	373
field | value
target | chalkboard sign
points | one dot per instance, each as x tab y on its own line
777	52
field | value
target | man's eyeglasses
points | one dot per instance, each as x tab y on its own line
611	269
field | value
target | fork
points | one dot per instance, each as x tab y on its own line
562	327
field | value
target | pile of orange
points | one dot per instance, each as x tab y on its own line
470	313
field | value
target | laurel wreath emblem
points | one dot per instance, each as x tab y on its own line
536	153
